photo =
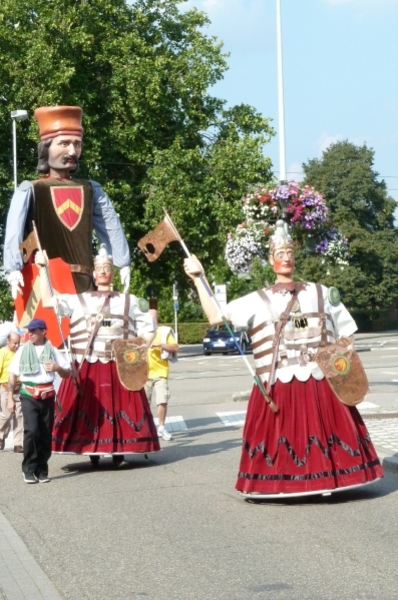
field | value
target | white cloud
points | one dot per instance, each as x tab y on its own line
240	21
325	140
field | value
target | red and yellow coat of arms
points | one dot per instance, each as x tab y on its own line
68	204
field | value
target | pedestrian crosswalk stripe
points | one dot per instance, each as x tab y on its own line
383	432
232	418
366	406
173	423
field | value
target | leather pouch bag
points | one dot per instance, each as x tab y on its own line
43	392
344	371
131	362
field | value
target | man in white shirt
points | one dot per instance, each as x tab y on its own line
36	364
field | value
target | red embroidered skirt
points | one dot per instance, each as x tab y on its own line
313	443
105	418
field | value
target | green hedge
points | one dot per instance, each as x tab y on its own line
190	333
368	321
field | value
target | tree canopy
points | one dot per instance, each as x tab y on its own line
361	208
154	135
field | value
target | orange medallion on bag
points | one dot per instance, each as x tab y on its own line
340	364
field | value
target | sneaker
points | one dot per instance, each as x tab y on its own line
43	477
163	433
30	478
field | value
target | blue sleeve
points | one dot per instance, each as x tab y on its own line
15	227
108	227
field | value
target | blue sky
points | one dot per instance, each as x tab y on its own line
340	62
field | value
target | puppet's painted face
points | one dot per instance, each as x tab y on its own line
282	261
64	152
103	274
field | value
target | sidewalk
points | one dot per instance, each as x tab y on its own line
21	578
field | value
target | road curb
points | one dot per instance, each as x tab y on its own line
389	463
241	396
380	415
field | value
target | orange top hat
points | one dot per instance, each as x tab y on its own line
59	120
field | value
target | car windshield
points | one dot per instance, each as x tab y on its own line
219	328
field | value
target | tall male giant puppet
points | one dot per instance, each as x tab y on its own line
65	210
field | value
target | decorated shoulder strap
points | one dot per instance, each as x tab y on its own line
126	316
322	314
279	327
95	326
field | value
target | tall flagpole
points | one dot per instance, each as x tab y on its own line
281	110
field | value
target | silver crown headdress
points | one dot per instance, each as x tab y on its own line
281	238
103	258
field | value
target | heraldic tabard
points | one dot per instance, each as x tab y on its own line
62	211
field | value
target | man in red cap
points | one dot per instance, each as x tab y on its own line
65	210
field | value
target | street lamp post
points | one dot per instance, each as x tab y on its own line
281	110
16	115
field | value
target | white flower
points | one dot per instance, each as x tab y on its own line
244	245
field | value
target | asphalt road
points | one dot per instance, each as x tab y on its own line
174	527
198	380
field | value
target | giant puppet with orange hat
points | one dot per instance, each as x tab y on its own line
59	212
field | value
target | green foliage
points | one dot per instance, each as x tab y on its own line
261	275
202	187
6	303
364	213
190	333
154	134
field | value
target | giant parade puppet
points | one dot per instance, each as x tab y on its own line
303	434
65	211
107	411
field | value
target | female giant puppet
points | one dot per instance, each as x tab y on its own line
103	416
314	443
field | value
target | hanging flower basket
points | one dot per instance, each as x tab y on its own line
302	207
248	241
